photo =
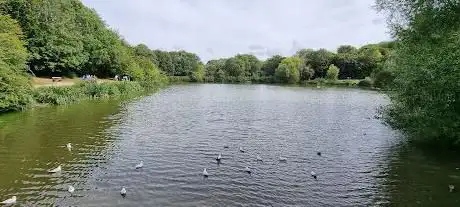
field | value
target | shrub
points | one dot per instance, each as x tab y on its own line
15	90
367	82
87	90
58	95
332	72
383	79
179	79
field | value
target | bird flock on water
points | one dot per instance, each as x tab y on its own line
70	188
205	173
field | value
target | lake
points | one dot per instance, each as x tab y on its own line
180	130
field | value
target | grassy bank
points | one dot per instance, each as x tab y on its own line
88	90
361	83
46	81
179	79
325	82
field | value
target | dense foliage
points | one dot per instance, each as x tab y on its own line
14	84
352	63
64	38
332	72
425	93
60	95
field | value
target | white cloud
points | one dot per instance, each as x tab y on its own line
222	28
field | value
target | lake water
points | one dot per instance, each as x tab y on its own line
180	130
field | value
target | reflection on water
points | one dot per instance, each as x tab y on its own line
182	129
420	177
35	141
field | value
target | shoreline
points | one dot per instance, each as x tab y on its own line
75	91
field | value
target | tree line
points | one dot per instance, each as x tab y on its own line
61	38
65	38
347	62
306	64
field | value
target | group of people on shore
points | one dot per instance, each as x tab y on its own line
116	78
89	77
123	78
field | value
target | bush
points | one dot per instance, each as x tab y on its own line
15	90
58	95
87	90
367	82
179	79
332	72
198	75
383	79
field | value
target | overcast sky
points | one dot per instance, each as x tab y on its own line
222	28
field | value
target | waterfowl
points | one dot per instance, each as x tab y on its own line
313	174
69	146
55	170
123	191
205	173
71	189
8	201
140	165
246	169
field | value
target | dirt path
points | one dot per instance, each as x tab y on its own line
46	82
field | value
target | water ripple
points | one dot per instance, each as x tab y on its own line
180	130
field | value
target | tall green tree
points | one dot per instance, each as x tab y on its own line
425	93
252	66
319	60
165	62
184	63
235	69
214	70
346	49
269	66
332	72
144	51
288	70
15	88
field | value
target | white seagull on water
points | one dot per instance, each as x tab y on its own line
241	149
69	146
246	169
55	170
205	173
313	174
140	165
8	201
71	189
123	191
